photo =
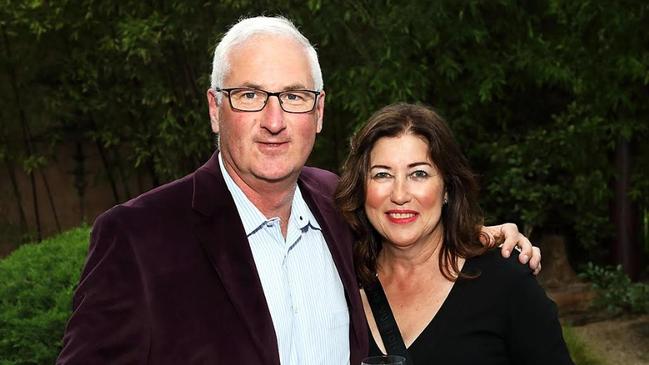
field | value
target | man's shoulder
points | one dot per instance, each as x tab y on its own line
173	196
164	195
319	178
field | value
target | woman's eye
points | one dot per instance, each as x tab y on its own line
381	175
419	174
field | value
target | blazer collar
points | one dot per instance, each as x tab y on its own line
219	230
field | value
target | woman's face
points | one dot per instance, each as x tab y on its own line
405	192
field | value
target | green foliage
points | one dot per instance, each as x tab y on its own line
35	297
580	352
538	92
615	291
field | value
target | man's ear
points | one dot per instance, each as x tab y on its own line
319	111
213	110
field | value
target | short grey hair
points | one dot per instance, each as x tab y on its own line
248	27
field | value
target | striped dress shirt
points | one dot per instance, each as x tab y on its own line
303	290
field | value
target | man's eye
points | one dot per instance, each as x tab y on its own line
249	95
294	97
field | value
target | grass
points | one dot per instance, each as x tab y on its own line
580	352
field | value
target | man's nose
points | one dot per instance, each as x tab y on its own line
273	117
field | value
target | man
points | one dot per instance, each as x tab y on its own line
245	261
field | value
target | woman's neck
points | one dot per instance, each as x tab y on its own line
406	263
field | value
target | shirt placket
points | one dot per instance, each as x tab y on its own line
293	236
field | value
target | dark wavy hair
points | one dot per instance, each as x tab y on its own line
461	216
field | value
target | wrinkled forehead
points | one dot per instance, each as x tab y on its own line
269	47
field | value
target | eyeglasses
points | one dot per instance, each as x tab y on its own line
253	100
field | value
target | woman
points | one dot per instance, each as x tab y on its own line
411	198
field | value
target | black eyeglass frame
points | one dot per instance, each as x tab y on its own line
269	94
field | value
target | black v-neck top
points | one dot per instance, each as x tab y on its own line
501	317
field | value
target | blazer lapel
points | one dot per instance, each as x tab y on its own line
221	233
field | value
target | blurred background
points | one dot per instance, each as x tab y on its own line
103	100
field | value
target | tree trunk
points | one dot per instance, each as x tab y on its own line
109	171
18	198
25	128
122	175
625	248
80	183
11	172
51	200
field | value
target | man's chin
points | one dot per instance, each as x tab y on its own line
277	176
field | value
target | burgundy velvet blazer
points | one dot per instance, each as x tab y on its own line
170	279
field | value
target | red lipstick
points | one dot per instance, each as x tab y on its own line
401	216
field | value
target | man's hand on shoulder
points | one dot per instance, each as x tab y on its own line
508	236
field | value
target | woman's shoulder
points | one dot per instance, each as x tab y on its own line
493	266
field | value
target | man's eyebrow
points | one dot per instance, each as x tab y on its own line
250	85
294	87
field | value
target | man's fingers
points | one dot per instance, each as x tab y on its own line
535	261
512	238
525	247
505	251
529	254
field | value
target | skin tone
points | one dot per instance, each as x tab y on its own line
404	199
265	151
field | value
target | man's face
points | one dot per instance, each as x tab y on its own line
270	145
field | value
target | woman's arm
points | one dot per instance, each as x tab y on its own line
535	335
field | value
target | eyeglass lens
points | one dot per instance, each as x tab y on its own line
296	101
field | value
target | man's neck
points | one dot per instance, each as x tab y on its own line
272	198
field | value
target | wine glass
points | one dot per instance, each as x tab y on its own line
385	360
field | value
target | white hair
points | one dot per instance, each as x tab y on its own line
248	27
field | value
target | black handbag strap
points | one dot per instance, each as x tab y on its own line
385	321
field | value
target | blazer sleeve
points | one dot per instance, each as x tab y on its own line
109	321
535	335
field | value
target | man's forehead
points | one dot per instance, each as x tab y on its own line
270	60
257	85
257	39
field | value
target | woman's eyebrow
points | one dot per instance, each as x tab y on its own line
423	163
380	167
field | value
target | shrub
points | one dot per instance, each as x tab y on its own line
35	297
615	291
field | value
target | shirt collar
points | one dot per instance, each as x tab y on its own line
252	218
301	213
